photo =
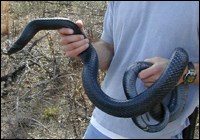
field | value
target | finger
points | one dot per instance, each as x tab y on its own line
74	53
152	60
71	38
65	31
151	79
75	45
148	84
144	74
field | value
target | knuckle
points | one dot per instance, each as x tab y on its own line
76	52
80	37
62	41
156	70
73	45
60	31
65	49
70	54
156	58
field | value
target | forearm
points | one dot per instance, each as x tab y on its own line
105	54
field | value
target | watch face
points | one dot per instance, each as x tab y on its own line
190	79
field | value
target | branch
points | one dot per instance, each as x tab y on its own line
13	74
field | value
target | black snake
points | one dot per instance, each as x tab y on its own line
133	106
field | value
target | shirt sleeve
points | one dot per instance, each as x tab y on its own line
107	34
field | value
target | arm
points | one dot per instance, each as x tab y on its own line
150	75
105	53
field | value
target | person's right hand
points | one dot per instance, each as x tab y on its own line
71	44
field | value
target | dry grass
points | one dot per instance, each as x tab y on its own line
5	20
45	99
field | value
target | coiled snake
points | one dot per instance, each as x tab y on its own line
133	106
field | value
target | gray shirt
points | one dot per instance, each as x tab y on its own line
145	29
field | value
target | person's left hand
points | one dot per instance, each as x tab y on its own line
152	74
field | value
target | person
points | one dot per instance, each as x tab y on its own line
140	31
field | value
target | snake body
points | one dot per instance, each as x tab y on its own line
160	112
136	106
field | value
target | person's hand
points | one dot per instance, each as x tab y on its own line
153	73
72	45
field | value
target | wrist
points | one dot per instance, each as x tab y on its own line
189	74
181	80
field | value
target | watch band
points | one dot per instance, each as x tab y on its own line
190	76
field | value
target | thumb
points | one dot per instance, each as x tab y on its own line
80	24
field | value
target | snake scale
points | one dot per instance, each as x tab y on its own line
134	106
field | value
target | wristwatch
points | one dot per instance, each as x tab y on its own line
191	74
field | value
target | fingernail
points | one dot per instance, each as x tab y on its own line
82	37
71	31
87	45
87	40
